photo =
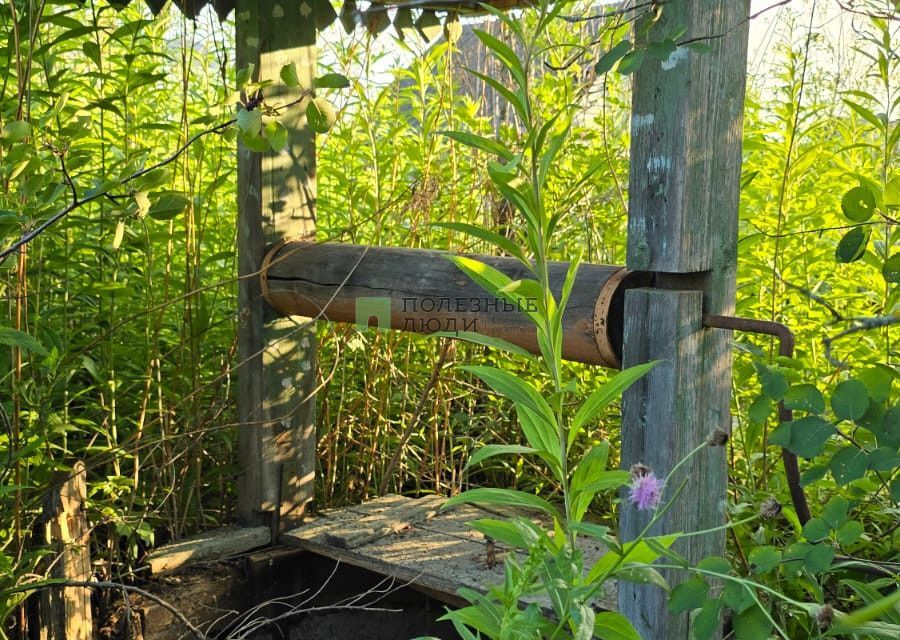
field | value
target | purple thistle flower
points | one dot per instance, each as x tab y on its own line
646	490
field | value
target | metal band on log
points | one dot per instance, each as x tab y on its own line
420	290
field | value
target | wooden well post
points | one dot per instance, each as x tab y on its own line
687	116
276	202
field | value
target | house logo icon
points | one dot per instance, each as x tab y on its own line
373	311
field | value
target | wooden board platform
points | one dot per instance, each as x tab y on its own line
416	543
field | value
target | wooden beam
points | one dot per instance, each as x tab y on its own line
420	290
683	212
216	544
276	202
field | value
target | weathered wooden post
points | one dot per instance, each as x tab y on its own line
276	201
682	225
65	612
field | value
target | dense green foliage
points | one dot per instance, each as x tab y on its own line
119	323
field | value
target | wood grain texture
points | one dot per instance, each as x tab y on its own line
686	127
65	613
425	292
437	554
216	544
276	201
687	119
659	426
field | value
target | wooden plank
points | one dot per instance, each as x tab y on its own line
65	613
421	290
348	528
440	554
378	505
660	425
215	544
276	202
370	528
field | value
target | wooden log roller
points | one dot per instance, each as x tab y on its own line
419	290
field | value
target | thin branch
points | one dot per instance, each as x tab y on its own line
861	324
612	13
849	8
79	202
53	583
837	315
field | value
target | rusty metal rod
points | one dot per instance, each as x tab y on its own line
785	348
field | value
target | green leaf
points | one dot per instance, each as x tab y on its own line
818	558
609	59
540	434
805	397
849	400
716	564
16	131
505	55
92	51
590	466
332	81
690	594
631	62
320	115
277	135
884	459
609	625
641	574
15	338
813	474
760	409
853	245
752	624
289	75
485	341
249	121
706	623
505	497
634	551
484	275
891	268
242	76
835	511
806	437
608	392
515	535
763	559
255	142
816	529
891	194
514	388
773	382
661	50
517	101
878	381
481	143
597	531
865	113
849	464
737	597
491	450
168	206
869	612
849	532
495	239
